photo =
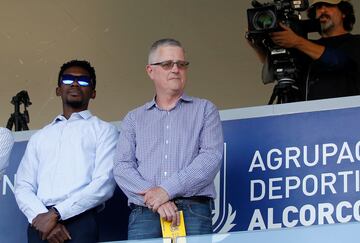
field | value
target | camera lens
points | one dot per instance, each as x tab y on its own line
264	20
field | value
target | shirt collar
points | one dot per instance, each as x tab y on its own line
183	98
86	114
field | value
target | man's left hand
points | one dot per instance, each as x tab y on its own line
59	234
169	212
155	197
44	223
285	38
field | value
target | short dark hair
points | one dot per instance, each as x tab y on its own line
163	42
82	64
345	7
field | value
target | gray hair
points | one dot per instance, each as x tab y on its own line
160	43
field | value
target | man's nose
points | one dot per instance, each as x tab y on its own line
175	68
75	83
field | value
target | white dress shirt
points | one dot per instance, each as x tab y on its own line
6	144
67	164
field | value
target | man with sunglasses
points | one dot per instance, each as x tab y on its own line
169	151
66	171
333	61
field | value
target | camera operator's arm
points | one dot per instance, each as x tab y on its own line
289	39
258	48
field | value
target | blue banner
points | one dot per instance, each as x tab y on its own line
294	170
279	171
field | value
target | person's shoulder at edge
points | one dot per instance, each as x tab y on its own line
6	133
7	140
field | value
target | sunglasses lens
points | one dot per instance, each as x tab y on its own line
67	81
83	83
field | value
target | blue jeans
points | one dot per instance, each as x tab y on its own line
144	224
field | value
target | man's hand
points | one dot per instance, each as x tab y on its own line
44	223
286	38
289	39
155	197
59	234
169	212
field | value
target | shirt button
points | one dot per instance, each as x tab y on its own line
166	156
167	126
165	173
167	141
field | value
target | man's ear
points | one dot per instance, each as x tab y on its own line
93	94
58	91
149	70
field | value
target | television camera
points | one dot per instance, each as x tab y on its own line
282	65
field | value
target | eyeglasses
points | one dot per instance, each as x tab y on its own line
169	64
69	79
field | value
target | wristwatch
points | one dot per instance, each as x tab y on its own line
57	213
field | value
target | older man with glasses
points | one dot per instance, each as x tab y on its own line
169	151
6	144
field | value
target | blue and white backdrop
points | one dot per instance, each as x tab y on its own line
284	166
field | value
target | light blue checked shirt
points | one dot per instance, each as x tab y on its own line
179	150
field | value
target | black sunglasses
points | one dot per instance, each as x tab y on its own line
82	80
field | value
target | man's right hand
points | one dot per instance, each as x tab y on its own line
44	223
59	234
155	197
169	212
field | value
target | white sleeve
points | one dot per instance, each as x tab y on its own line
26	184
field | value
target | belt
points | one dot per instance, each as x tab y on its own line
199	199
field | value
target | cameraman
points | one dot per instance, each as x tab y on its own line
334	59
